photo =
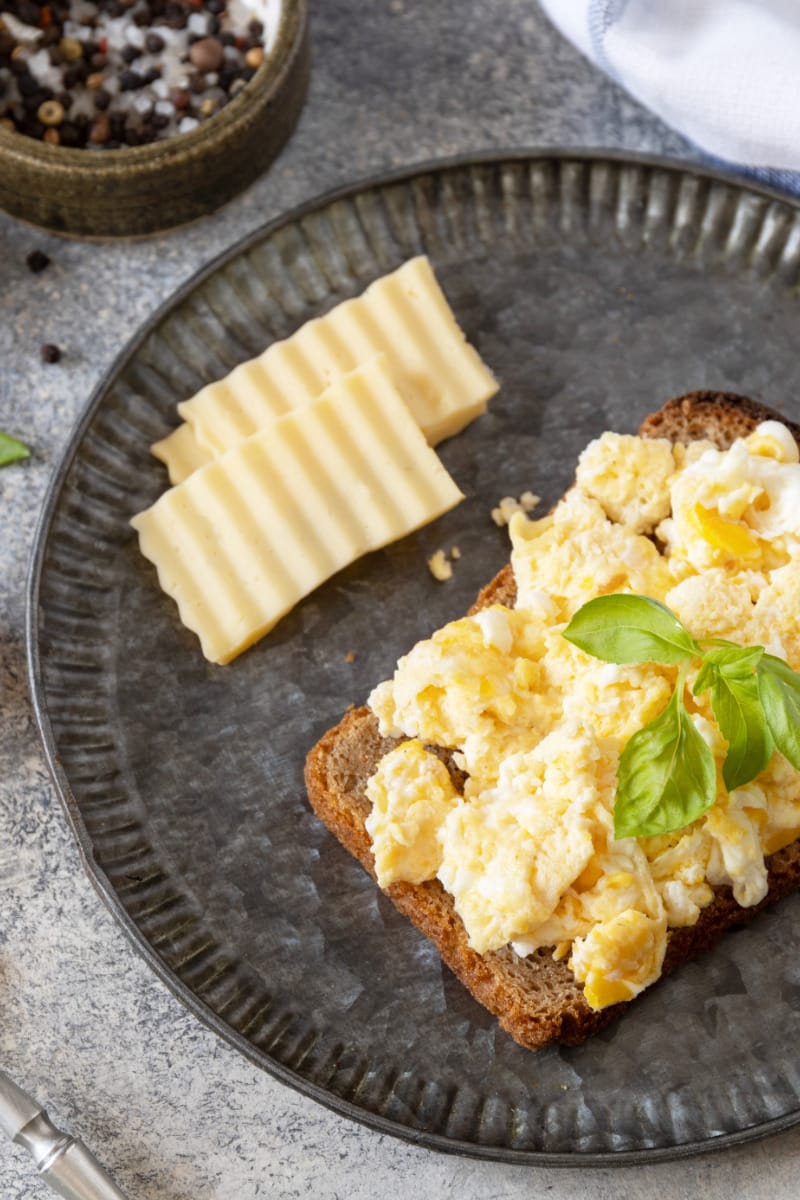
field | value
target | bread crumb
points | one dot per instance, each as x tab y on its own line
505	510
439	567
455	553
350	656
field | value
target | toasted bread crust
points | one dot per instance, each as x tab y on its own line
718	417
537	1000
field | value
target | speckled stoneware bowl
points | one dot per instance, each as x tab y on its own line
140	190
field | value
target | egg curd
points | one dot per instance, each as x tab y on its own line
528	850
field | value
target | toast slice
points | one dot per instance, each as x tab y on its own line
536	999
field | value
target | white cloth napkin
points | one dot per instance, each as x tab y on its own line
725	73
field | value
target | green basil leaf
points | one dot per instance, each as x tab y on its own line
11	450
705	677
779	692
743	723
630	629
734	662
667	777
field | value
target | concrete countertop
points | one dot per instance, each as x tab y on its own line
173	1112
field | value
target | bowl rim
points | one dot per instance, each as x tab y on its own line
265	83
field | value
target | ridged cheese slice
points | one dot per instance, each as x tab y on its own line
403	315
181	453
240	541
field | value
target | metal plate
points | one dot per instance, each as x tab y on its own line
596	287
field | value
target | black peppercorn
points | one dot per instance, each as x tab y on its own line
37	261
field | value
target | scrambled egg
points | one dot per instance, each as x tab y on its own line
739	505
411	796
528	850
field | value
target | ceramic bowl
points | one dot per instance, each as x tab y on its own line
143	189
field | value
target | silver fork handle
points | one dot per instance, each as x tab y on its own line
63	1161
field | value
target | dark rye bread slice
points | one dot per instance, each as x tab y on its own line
536	999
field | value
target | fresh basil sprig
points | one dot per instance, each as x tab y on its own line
11	450
667	775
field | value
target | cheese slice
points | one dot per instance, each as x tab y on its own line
240	541
403	315
181	453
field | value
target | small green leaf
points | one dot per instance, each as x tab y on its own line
667	777
729	671
630	629
742	722
11	450
732	661
779	692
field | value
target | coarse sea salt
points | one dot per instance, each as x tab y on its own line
198	23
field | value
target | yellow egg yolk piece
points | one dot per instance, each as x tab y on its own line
731	537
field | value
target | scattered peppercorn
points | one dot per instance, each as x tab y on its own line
37	261
71	49
50	353
100	131
50	112
207	54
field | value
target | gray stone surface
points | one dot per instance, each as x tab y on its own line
173	1112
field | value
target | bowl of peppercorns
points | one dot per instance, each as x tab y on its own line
125	117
